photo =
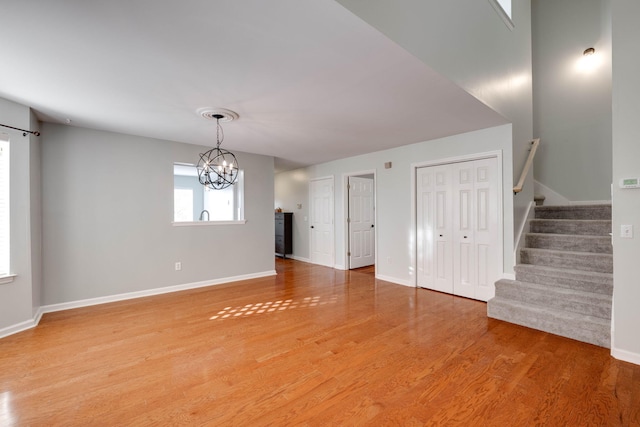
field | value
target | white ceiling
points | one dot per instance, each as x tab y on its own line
310	80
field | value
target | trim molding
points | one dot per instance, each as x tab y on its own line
396	281
299	258
626	356
28	324
524	228
19	327
150	292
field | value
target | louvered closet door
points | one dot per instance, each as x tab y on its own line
458	228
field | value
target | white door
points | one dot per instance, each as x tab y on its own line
435	244
321	199
458	230
488	258
361	222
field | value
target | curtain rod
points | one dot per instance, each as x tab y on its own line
24	131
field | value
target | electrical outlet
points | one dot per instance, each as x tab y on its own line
626	231
178	266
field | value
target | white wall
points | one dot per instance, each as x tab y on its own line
626	163
395	234
467	42
35	205
572	104
107	213
18	298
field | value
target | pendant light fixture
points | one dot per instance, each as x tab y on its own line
218	168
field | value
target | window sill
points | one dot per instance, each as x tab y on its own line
207	223
7	278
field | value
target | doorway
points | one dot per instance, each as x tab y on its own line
360	218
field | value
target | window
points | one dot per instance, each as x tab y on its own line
5	231
503	7
195	203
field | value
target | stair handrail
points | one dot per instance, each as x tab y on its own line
527	165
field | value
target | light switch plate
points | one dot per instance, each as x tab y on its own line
626	231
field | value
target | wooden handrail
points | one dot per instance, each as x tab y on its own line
525	171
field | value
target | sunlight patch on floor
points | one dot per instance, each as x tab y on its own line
270	307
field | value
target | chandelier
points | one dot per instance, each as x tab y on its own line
217	168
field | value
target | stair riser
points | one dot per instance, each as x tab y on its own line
599	228
574	212
574	261
596	334
592	244
605	288
582	305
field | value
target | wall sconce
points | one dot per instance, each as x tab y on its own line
589	51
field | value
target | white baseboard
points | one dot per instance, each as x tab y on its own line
28	324
18	327
524	228
553	198
299	258
626	356
339	267
395	280
590	202
150	292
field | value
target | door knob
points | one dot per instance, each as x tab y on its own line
441	235
312	226
465	237
371	225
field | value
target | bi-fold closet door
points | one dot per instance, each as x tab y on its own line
457	221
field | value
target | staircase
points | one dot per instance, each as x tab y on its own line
564	283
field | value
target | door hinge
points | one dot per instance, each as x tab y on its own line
348	220
348	186
348	253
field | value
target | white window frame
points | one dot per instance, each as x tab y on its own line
5	211
504	9
238	196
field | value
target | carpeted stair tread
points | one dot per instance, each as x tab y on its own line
580	327
586	261
564	281
602	211
569	242
589	281
589	303
571	226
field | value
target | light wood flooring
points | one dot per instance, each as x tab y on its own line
310	346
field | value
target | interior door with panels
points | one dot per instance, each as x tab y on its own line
361	222
457	228
435	262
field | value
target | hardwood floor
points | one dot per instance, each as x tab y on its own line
311	346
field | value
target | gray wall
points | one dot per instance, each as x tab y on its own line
467	42
571	107
108	208
394	232
626	163
18	298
